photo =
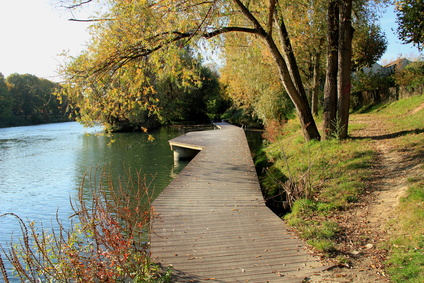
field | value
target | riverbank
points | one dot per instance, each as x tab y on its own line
361	208
20	122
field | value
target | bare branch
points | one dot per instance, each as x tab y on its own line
89	20
204	20
209	35
78	4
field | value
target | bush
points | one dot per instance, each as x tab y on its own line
412	76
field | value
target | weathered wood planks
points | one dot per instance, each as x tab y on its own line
211	223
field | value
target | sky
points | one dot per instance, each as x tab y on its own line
32	35
34	32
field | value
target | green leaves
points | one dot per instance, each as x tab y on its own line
410	15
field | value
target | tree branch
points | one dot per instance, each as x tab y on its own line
78	4
251	18
142	51
203	20
89	20
271	15
209	35
136	51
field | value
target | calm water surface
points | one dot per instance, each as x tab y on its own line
41	167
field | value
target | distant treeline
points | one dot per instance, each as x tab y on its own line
28	100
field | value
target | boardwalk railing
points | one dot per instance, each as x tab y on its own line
211	223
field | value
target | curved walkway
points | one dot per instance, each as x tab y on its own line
211	223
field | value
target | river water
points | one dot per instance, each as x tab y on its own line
41	167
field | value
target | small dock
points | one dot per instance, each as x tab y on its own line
211	223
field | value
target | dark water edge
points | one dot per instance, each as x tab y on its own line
20	122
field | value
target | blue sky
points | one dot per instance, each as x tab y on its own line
34	32
395	48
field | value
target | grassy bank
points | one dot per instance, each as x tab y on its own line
324	179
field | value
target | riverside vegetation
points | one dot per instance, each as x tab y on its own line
335	191
106	243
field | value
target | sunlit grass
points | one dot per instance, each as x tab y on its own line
404	113
335	173
406	246
338	172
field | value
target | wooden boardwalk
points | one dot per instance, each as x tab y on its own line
211	223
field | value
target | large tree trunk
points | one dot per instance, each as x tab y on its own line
289	57
309	127
344	66
330	88
289	75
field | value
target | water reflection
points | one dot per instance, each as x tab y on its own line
42	167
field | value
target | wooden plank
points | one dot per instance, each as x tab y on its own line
211	223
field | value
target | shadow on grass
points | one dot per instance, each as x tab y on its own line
390	136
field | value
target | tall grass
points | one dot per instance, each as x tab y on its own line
106	243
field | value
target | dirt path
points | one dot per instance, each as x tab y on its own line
365	222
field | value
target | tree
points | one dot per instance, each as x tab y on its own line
5	99
306	20
330	89
410	15
34	97
26	94
165	25
251	79
339	63
344	66
412	76
140	93
369	44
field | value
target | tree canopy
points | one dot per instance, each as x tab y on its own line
120	82
5	99
138	43
27	99
410	15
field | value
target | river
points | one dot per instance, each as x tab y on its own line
42	167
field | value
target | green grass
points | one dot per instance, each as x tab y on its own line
319	234
406	243
336	173
399	113
406	247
